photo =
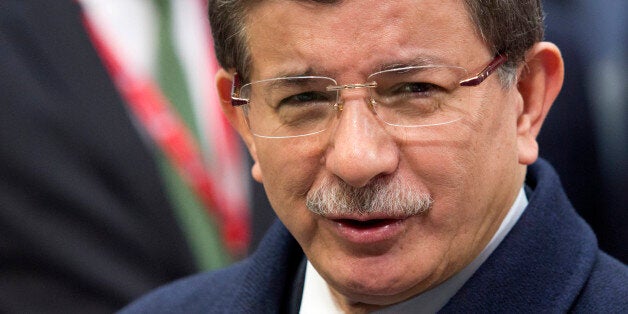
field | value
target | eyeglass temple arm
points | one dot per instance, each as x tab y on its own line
490	68
235	92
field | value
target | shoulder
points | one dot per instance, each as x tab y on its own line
200	293
259	283
606	290
549	262
593	281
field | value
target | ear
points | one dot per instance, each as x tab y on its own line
539	83
224	81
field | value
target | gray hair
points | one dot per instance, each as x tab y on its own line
509	27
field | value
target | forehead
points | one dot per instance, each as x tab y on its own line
358	36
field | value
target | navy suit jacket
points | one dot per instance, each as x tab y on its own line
549	262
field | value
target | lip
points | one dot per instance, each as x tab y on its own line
367	230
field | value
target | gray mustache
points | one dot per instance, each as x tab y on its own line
384	195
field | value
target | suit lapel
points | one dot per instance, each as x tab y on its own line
274	277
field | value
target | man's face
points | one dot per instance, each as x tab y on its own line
469	168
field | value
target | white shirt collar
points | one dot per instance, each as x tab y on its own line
317	297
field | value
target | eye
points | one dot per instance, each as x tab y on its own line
304	110
305	99
414	89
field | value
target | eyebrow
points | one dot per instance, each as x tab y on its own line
416	61
310	71
420	60
286	81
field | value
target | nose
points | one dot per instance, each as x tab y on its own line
360	149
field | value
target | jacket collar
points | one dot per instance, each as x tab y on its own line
542	264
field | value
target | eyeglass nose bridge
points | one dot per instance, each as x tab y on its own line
337	88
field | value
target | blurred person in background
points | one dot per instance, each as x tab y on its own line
118	172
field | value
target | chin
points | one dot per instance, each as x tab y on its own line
378	287
377	295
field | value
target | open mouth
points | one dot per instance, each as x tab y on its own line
368	231
366	224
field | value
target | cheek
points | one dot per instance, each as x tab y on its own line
439	156
440	163
453	163
486	148
496	147
289	165
471	170
289	168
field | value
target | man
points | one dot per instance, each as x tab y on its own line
397	144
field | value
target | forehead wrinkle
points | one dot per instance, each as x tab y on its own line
420	60
310	71
302	55
266	31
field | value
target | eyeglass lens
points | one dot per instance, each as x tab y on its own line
405	97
